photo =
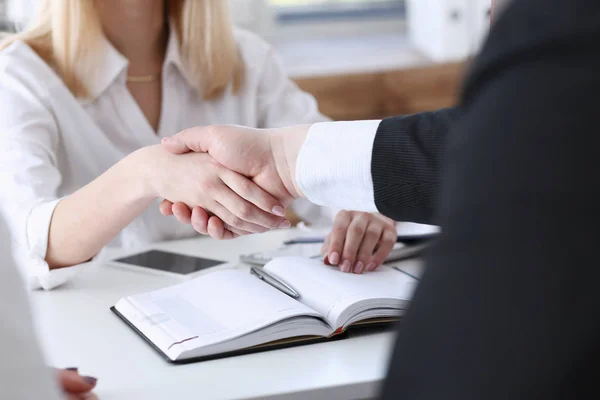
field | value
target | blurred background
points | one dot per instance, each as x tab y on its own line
361	59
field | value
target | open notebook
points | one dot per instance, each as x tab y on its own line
230	312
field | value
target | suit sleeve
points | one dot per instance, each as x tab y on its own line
508	307
406	164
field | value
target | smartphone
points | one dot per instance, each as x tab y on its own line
169	263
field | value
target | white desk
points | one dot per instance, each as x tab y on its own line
78	330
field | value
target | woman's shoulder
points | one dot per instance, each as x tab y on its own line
253	48
21	63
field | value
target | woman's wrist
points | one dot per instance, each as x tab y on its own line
139	169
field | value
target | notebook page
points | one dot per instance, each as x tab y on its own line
330	291
212	308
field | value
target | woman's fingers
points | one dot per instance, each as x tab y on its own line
216	228
71	382
337	237
199	220
237	232
386	244
166	208
182	212
354	237
359	241
372	237
248	202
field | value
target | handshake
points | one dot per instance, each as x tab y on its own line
250	183
233	181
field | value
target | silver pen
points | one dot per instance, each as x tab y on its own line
275	282
406	273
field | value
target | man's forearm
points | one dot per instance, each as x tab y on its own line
333	165
406	164
391	166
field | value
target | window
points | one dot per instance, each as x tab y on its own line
318	18
290	10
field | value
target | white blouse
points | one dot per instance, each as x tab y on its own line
52	144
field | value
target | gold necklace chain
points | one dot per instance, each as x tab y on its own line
142	78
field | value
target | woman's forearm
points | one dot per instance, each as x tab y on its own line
85	221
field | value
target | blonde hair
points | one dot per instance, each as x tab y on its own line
65	35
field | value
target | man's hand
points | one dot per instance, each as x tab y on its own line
268	157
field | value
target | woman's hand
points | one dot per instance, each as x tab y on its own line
359	241
75	386
195	181
201	220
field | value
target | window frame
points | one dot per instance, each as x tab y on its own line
339	9
337	18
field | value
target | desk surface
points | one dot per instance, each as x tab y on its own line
78	330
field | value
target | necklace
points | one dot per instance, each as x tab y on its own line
142	78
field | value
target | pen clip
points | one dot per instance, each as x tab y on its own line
275	282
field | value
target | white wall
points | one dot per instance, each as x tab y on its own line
254	15
20	11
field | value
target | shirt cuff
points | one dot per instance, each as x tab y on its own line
334	165
36	269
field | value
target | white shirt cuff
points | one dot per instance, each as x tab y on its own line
36	269
334	165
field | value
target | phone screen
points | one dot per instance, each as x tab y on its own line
169	262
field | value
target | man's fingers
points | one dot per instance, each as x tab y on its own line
72	382
196	139
223	212
182	212
248	217
337	237
388	240
174	145
354	237
251	192
166	208
372	237
240	199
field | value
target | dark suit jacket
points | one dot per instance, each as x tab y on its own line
509	307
